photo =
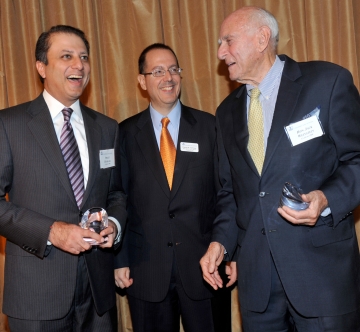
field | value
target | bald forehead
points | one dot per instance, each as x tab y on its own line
236	23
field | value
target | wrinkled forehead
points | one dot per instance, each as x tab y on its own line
234	25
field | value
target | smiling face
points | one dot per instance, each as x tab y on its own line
163	91
243	45
68	70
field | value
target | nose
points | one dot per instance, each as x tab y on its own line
167	76
222	50
77	63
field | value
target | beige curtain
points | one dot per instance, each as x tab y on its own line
118	30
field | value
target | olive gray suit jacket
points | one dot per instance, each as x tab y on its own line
319	266
40	279
164	224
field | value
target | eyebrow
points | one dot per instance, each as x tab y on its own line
70	51
224	38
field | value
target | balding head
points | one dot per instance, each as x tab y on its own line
248	39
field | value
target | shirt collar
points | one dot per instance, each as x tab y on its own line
55	107
267	85
174	115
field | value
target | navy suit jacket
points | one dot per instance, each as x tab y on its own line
40	283
165	224
319	266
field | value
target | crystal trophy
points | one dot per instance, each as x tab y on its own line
95	219
291	197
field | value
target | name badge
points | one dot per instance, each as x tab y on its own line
107	158
304	130
189	147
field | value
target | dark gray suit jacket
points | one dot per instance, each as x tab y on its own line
33	173
319	266
164	224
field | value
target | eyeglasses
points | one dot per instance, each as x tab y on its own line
162	72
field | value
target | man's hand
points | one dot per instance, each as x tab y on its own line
210	263
230	270
109	235
318	202
70	238
122	277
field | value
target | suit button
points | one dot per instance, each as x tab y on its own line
170	244
172	216
81	213
263	231
262	194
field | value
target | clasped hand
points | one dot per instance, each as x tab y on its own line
70	238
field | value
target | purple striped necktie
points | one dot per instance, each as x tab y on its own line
71	154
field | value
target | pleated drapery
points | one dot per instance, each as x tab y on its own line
118	30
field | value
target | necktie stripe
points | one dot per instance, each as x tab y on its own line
71	154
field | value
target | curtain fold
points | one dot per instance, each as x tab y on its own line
118	30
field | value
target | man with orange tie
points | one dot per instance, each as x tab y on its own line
167	171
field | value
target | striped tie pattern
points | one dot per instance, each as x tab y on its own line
256	130
71	154
167	151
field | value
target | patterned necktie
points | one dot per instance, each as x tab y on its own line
71	154
256	130
167	151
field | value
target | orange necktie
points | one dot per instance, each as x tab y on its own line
167	151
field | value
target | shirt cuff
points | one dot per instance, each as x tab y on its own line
118	236
326	212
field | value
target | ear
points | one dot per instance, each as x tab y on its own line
40	66
141	79
264	35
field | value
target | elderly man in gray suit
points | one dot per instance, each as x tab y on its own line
57	161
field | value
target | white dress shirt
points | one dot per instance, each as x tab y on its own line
77	123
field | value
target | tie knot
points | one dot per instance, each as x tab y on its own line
255	93
67	113
165	122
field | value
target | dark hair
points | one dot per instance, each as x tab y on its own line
43	43
156	46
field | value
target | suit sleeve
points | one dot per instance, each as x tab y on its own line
224	228
116	200
122	177
342	189
17	223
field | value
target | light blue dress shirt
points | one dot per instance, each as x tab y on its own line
173	126
269	88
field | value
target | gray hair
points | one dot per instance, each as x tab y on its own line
266	18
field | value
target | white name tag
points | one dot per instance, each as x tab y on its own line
189	147
304	130
107	158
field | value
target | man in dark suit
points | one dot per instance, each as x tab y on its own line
170	209
296	269
54	279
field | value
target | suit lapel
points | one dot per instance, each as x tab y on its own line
286	102
93	139
239	125
188	134
42	128
148	145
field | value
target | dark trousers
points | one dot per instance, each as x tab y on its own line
164	316
281	316
81	317
221	304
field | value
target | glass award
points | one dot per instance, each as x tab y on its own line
291	197
94	219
